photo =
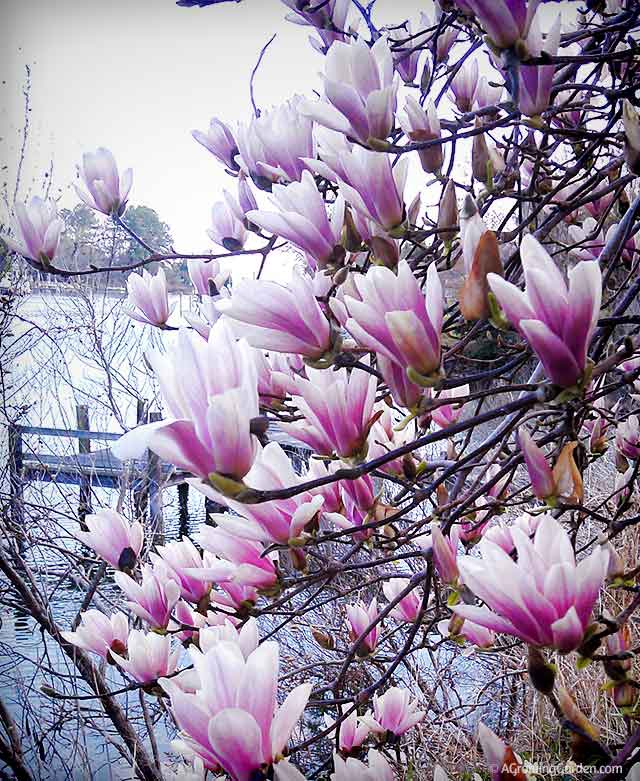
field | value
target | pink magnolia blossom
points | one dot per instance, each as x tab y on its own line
545	599
543	483
464	84
498	755
274	521
40	229
148	298
384	438
486	93
227	223
500	533
219	140
331	492
536	81
246	637
253	567
338	411
113	538
287	319
108	192
276	373
351	769
301	218
445	553
273	145
404	392
99	633
628	437
375	188
408	608
406	48
153	598
204	272
330	20
178	557
232	720
206	315
447	34
589	237
599	206
360	90
504	21
448	414
458	628
396	319
149	656
394	712
422	124
210	389
359	617
557	321
352	730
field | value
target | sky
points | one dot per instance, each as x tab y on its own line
137	76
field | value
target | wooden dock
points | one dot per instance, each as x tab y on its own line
90	468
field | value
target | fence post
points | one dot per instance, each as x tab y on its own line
183	507
84	446
15	475
140	495
154	480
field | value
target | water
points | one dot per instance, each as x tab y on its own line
60	348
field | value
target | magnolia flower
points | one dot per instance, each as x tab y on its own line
497	756
206	315
486	160
384	438
227	224
247	637
351	769
337	407
359	618
396	319
40	229
331	492
204	272
100	634
352	730
500	534
113	538
486	94
108	193
154	598
447	414
589	237
287	319
481	256
448	211
330	20
445	553
628	437
253	566
405	393
457	628
178	558
536	81
275	377
447	33
219	140
631	124
149	656
600	206
232	720
210	389
273	145
408	608
504	21
368	182
302	219
422	124
406	48
557	321
274	521
545	599
394	712
463	85
148	298
360	90
543	484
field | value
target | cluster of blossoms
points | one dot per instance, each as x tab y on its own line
361	360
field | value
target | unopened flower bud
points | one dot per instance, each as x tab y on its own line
323	639
541	673
448	211
631	121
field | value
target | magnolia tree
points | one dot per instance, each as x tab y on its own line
459	369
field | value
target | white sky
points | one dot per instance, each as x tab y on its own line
136	76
